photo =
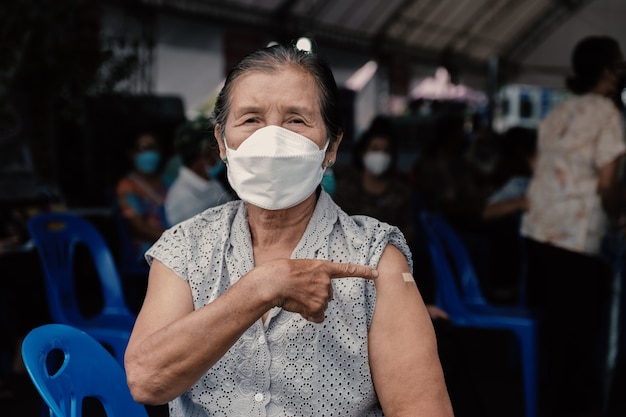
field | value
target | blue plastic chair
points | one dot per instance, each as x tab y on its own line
67	366
461	297
57	236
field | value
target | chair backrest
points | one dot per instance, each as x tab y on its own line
57	236
457	283
67	366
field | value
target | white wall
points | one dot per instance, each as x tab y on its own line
188	61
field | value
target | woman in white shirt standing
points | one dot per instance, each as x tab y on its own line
571	197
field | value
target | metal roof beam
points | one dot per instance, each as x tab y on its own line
539	30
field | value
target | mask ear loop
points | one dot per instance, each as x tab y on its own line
225	159
330	162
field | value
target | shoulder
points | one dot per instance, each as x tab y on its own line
198	234
221	216
372	227
373	236
597	105
209	221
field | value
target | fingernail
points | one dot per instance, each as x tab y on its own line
375	273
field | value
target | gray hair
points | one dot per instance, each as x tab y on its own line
270	60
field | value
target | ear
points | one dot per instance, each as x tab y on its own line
331	152
217	131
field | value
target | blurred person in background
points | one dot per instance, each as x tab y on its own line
141	193
503	212
446	179
518	162
372	185
572	198
196	187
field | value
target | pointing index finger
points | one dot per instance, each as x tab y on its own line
348	270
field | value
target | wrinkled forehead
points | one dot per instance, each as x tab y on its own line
294	81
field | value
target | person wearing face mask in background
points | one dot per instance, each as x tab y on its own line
371	185
196	187
573	203
140	194
281	303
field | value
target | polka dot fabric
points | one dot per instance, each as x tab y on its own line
286	366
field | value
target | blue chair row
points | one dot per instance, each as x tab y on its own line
460	295
57	237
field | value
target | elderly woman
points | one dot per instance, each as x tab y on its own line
282	304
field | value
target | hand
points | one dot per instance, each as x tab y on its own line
436	313
305	285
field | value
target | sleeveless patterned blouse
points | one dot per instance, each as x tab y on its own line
286	366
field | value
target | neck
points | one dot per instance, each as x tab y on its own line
600	90
373	184
604	87
280	229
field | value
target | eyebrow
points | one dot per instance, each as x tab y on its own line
300	110
291	109
247	108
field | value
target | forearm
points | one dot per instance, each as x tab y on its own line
609	185
408	395
412	379
173	344
611	202
168	361
502	208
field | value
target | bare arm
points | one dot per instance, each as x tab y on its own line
608	187
405	364
503	208
173	345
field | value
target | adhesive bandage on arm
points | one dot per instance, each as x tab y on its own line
408	278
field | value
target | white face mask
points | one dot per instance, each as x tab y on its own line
275	168
376	162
